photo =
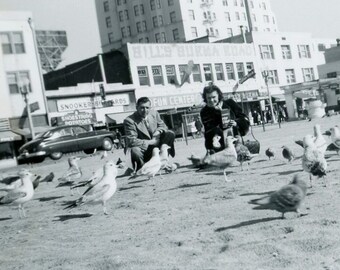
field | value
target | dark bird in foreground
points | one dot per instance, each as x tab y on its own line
287	154
48	178
14	181
287	199
243	153
270	153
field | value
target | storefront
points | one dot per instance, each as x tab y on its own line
9	142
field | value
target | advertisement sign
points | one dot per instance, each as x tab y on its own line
85	103
175	101
77	118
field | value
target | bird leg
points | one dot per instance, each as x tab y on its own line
23	211
283	215
104	209
310	180
225	175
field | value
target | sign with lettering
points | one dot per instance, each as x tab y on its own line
245	95
176	101
85	103
77	118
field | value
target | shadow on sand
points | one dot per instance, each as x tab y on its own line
68	217
247	223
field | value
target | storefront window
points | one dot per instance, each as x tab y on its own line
171	74
240	70
196	73
230	71
207	72
143	76
157	74
219	72
183	74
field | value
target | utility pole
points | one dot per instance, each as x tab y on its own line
24	89
265	75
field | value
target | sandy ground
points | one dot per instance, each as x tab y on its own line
185	220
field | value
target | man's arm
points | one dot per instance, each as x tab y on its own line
161	126
132	134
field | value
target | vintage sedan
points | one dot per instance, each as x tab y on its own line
57	141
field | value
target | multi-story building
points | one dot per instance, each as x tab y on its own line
20	77
177	21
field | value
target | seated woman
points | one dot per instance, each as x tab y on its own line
211	116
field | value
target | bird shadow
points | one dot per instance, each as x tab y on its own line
6	218
68	217
258	193
247	223
138	181
218	173
190	185
126	188
47	199
275	165
289	172
260	160
69	184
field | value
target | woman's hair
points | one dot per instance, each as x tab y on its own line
209	89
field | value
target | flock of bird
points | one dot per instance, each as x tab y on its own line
101	185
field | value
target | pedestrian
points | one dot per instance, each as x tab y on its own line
255	117
211	116
119	138
145	130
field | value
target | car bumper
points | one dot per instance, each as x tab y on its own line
32	155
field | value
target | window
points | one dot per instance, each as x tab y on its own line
146	40
273	20
144	27
160	20
158	37
139	27
227	16
15	78
290	75
136	10
194	32
225	3
141	9
191	15
143	75
126	13
331	75
207	72
106	6
110	36
128	31
173	16
175	34
108	22
219	72
217	33
119	2
272	77
158	4
182	73
230	71
264	5
237	16
229	32
140	40
253	16
171	74
170	3
321	47
286	53
121	16
240	70
266	51
155	21
196	73
157	74
304	51
241	3
244	17
163	39
12	42
152	5
266	18
235	3
251	4
308	74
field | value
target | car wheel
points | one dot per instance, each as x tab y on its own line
56	155
107	144
89	151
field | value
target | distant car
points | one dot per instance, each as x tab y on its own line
57	141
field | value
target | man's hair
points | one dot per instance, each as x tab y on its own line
143	100
209	89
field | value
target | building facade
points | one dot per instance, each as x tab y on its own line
177	21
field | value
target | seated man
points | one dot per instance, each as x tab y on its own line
144	130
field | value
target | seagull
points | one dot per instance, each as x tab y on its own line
320	141
102	191
313	160
73	172
223	158
171	167
164	156
151	167
243	153
270	153
48	178
287	199
104	155
335	137
287	154
21	194
13	182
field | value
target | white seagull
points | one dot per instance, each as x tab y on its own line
21	194
102	191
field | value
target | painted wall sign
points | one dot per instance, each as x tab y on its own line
77	118
176	100
84	103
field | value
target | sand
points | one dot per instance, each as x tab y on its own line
185	220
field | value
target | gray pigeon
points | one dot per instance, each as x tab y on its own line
287	154
270	153
287	199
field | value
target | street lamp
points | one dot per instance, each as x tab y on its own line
265	75
23	85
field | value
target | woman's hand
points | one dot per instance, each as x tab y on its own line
231	123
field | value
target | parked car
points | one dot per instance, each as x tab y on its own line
57	141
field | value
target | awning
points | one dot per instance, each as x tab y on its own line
279	97
117	117
9	136
25	132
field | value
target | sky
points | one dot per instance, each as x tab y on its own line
319	17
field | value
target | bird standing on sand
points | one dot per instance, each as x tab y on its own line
287	199
287	154
243	153
335	137
21	194
104	155
151	167
48	178
102	191
224	158
14	181
319	141
164	156
270	153
313	160
74	172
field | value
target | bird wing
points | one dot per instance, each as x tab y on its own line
12	196
10	179
71	173
150	167
95	193
299	142
220	159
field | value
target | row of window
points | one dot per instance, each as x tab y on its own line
267	51
12	42
153	4
15	79
221	72
262	5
